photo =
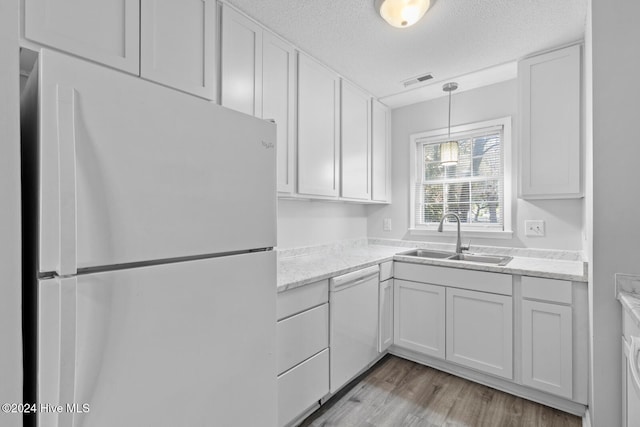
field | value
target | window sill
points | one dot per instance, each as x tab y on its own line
480	234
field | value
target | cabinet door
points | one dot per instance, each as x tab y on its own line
241	63
107	32
278	102
547	347
385	315
355	143
419	317
550	125
318	129
479	331
177	40
381	165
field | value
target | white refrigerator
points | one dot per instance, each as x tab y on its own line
149	224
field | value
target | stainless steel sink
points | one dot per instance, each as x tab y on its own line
484	259
426	253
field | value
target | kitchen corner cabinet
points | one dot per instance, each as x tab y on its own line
419	317
318	129
550	111
107	32
355	158
480	331
241	63
177	44
381	152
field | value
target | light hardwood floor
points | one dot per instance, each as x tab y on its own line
397	392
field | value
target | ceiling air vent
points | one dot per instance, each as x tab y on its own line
415	80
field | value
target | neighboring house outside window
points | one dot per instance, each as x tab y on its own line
475	188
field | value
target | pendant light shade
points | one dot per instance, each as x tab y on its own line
449	153
402	13
449	149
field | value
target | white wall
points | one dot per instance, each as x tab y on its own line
563	218
616	201
309	223
10	287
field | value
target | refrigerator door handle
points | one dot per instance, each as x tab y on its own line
66	98
68	292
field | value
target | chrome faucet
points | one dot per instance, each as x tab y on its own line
459	247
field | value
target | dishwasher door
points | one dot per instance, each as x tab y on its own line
353	308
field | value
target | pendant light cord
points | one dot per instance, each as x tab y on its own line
449	125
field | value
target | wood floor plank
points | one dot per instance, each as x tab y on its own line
398	392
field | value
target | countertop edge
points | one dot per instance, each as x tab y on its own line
442	263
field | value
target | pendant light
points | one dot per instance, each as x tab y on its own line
402	13
449	149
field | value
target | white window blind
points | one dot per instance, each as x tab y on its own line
473	188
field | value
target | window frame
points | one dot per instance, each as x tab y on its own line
470	230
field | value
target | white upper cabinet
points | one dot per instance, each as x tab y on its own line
105	31
356	143
278	102
258	78
318	129
241	68
381	152
177	40
550	111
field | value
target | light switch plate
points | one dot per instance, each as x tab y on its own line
386	224
534	228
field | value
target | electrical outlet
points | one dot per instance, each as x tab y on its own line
386	224
534	228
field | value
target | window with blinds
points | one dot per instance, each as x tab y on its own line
473	188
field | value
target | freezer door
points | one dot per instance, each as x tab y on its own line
185	344
133	171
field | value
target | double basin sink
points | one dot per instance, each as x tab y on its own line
452	256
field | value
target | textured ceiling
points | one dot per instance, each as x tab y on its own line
455	38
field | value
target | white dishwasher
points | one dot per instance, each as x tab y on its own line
353	314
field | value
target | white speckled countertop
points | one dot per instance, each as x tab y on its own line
628	292
297	267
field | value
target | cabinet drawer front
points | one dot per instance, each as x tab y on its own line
302	298
496	283
386	270
302	386
543	289
302	336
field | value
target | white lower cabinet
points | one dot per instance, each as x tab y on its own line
302	386
302	351
630	371
419	317
547	347
302	336
385	315
480	331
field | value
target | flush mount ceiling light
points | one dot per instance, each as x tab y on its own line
402	13
449	149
